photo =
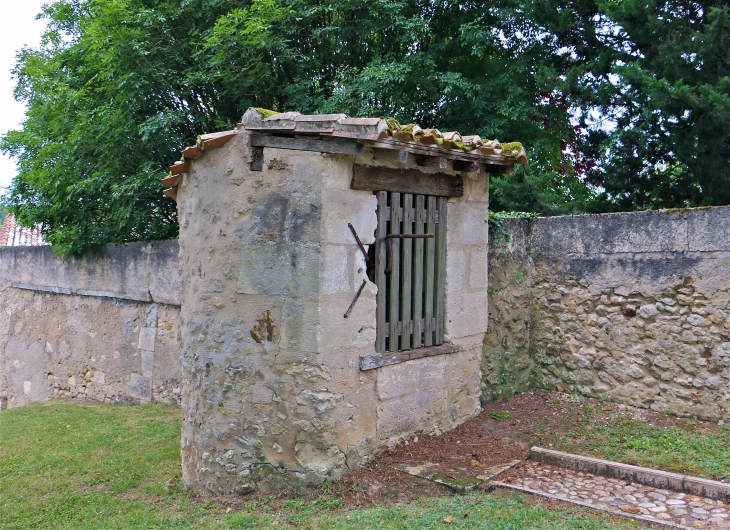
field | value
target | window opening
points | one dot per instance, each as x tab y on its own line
410	270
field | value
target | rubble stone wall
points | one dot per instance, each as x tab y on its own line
103	327
630	306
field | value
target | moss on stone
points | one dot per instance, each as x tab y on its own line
266	113
512	148
682	210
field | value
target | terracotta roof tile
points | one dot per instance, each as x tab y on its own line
376	132
13	235
372	129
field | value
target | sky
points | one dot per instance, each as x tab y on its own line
18	28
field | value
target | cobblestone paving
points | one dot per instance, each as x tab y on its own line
619	496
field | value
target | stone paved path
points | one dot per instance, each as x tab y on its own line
619	496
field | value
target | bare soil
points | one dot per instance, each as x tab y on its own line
536	417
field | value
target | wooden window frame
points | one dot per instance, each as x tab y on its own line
410	262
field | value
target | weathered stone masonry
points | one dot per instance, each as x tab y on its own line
104	327
631	306
273	392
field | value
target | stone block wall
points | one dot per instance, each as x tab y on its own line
632	306
103	327
273	393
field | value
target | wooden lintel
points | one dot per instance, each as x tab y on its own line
318	144
369	362
439	162
390	155
371	178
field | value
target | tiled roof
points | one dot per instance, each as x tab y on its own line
13	235
374	132
380	129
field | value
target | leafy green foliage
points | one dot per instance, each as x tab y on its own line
650	81
621	104
118	87
113	93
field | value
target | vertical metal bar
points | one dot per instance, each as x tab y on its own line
430	259
380	307
418	273
407	275
441	270
396	215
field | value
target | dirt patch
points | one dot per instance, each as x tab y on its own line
504	431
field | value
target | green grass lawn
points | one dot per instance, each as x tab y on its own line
683	448
97	466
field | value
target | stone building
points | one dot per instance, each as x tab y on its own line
334	292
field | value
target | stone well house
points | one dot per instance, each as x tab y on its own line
334	292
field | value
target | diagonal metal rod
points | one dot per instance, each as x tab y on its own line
359	243
359	292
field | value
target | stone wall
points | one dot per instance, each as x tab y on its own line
103	327
273	391
631	306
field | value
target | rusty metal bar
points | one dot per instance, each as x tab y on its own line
359	292
389	245
359	243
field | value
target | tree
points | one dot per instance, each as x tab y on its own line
112	94
118	87
658	73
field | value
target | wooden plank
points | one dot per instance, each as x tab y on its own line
418	272
407	277
371	178
369	362
430	258
396	214
318	144
380	281
440	273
